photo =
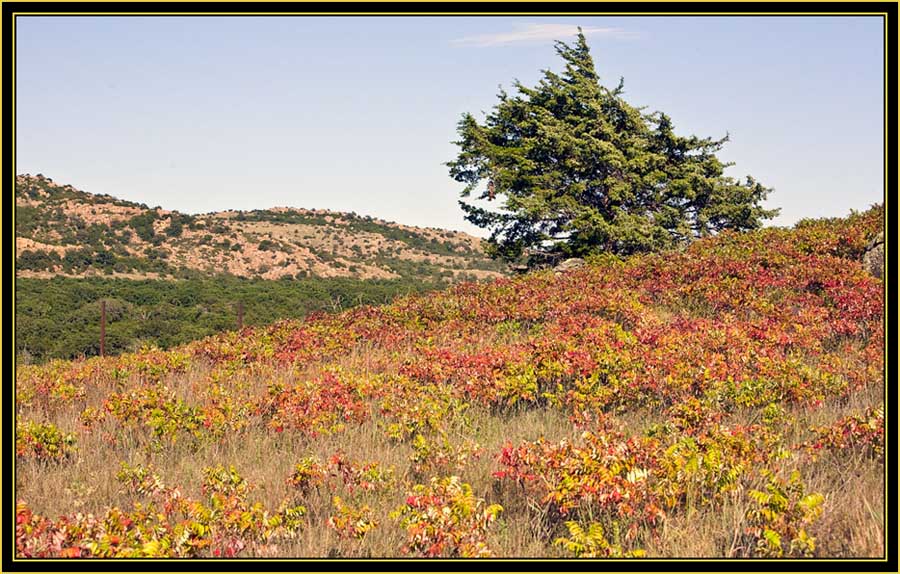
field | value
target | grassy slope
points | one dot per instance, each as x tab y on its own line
667	399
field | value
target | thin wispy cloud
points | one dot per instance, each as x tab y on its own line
535	34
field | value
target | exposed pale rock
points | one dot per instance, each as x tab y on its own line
873	258
569	264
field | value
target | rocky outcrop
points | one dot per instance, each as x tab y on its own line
569	264
873	258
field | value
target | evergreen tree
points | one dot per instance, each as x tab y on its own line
577	171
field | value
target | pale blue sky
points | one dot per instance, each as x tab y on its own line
357	114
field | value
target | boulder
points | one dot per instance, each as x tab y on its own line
873	257
569	264
519	269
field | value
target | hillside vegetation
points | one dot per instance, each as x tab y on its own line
63	231
723	401
60	317
169	278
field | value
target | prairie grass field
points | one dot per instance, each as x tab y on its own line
726	400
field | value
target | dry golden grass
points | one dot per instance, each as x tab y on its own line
852	523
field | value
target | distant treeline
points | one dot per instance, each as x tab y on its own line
60	317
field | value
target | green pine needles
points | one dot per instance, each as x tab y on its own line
578	171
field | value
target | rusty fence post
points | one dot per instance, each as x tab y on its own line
103	328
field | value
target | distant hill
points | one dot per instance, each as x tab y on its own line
62	231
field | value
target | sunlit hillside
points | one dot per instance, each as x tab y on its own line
63	231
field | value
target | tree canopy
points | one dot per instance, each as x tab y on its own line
576	171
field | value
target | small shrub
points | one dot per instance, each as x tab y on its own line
350	521
446	519
43	441
592	543
779	517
